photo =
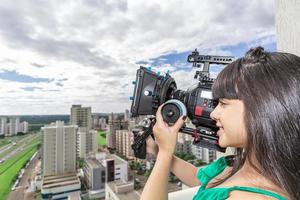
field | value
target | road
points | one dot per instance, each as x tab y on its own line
19	147
14	139
29	174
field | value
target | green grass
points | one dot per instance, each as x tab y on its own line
8	176
9	162
5	141
15	146
101	138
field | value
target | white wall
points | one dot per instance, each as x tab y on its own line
288	26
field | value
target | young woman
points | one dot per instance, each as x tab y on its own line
259	114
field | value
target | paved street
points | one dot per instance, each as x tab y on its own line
29	174
19	146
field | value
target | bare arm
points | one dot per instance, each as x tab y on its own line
165	137
157	183
185	171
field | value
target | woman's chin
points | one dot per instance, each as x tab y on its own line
223	143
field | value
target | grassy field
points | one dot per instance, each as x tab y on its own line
101	138
6	140
17	140
15	158
10	168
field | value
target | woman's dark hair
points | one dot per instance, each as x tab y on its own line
268	83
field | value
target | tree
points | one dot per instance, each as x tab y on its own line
199	163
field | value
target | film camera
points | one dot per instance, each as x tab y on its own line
152	89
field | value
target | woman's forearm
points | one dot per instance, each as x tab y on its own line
185	171
157	183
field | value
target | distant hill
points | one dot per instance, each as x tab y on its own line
47	119
44	119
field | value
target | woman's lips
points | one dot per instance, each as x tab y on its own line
220	131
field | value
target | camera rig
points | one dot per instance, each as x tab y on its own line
152	89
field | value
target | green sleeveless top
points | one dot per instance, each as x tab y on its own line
208	173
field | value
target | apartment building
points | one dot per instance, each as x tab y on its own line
59	148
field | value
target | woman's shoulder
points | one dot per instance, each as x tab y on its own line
237	181
220	176
237	195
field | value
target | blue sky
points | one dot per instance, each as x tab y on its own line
173	58
17	77
55	54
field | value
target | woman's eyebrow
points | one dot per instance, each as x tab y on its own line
224	100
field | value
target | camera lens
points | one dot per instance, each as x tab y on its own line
172	111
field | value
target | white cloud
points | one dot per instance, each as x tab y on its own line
94	45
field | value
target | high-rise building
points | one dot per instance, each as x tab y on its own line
14	126
86	142
102	123
23	127
59	148
184	143
95	121
126	115
204	154
123	143
113	125
81	116
98	123
3	121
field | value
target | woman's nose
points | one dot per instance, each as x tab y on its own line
213	115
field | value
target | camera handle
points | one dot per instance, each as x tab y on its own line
201	138
139	145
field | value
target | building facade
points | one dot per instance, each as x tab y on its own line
60	186
123	143
114	124
81	116
94	174
287	22
204	154
121	190
86	142
116	168
3	122
126	115
24	127
14	126
59	148
184	143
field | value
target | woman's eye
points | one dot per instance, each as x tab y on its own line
222	103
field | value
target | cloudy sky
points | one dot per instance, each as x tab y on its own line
57	53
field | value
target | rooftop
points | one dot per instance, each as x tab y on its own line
128	195
117	159
93	163
53	181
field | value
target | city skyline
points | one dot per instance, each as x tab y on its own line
55	54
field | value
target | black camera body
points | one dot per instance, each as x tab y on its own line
152	89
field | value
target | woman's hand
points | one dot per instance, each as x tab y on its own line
166	138
165	135
152	147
